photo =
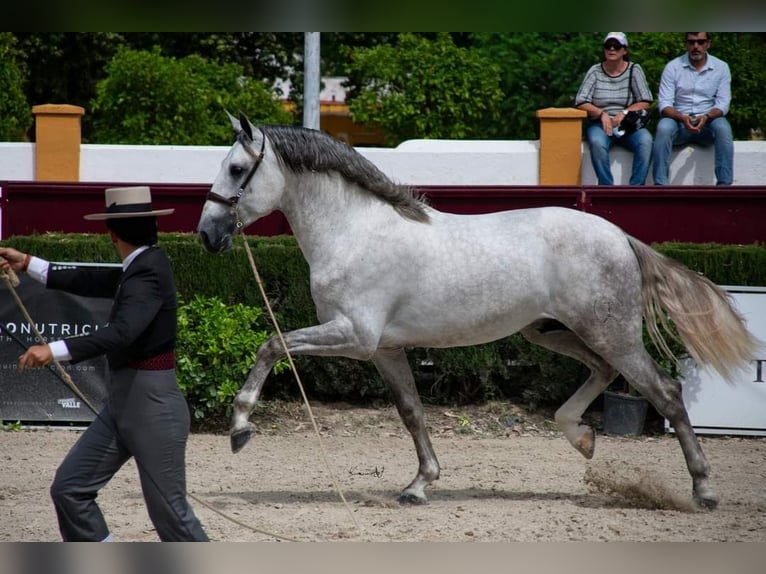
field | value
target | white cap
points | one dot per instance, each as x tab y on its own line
619	36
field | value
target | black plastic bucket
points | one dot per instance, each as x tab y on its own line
624	414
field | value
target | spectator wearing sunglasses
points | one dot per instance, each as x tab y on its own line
608	91
693	100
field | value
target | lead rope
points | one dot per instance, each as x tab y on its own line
295	372
12	281
238	522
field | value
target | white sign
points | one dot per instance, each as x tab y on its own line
738	407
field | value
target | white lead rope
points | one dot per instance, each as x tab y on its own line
297	378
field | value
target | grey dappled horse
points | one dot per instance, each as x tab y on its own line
389	272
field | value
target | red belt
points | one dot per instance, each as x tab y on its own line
160	362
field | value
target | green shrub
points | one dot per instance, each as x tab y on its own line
216	349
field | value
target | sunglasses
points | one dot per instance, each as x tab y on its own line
612	46
700	42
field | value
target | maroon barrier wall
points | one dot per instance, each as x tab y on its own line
735	214
35	207
703	214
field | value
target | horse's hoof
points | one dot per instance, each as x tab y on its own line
706	503
586	444
409	499
240	437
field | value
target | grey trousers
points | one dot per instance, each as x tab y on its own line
146	417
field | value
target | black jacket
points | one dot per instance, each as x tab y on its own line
143	319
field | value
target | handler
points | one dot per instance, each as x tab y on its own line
145	416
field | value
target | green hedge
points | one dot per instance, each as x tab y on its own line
509	368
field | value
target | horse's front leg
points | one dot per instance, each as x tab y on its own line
335	338
244	403
393	367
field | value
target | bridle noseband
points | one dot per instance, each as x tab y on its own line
233	201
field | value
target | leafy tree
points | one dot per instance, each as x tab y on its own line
15	115
423	88
63	67
266	56
745	54
148	98
541	70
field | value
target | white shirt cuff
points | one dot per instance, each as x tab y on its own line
38	269
59	349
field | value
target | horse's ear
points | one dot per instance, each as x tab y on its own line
234	123
245	123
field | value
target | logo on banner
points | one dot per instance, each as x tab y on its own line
50	331
69	403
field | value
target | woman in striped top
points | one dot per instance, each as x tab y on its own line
608	92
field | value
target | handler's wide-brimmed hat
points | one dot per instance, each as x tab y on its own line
123	202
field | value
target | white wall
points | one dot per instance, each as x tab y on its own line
150	164
450	162
17	161
689	165
415	162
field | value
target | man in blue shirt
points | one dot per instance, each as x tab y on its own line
693	100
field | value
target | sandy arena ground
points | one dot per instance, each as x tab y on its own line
505	477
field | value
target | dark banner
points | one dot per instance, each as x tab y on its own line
38	395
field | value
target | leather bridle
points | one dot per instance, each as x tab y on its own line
233	201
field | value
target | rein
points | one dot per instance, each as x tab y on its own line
233	201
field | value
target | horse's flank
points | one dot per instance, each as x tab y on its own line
303	150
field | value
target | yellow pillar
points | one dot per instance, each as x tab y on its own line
58	138
560	145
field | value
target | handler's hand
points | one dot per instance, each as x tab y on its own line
11	258
35	357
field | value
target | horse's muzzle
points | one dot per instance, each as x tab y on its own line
219	245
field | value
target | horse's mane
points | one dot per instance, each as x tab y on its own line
301	150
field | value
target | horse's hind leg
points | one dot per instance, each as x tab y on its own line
664	393
556	337
393	367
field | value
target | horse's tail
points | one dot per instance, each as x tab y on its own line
707	323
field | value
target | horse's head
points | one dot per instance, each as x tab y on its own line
239	196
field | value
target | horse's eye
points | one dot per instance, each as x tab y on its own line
236	171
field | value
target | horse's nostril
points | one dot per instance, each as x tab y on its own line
205	238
